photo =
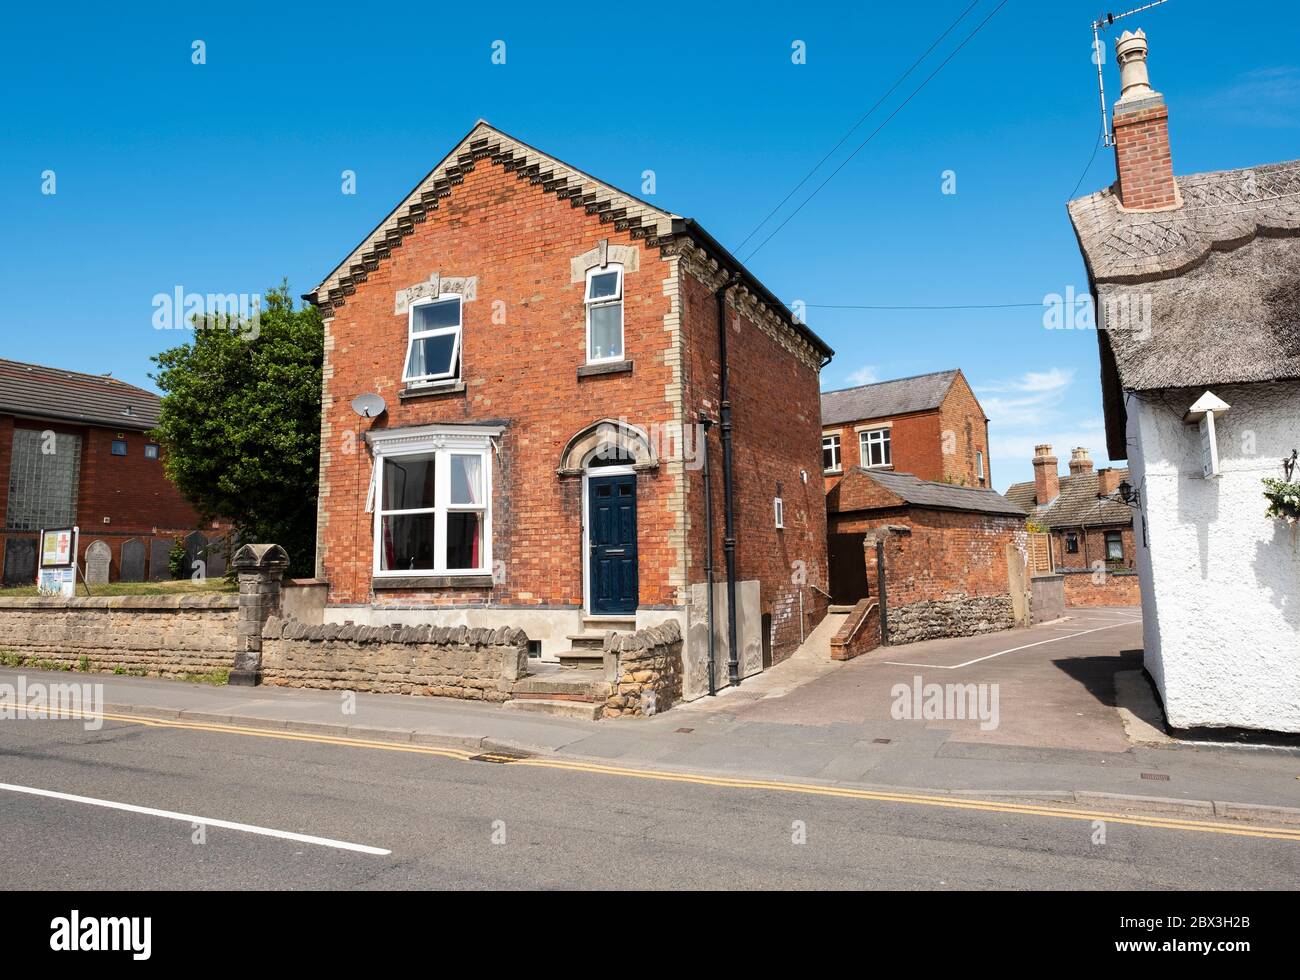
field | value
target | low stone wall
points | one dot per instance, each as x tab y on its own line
860	633
646	667
961	616
1089	588
448	661
159	636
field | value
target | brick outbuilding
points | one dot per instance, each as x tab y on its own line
548	352
952	557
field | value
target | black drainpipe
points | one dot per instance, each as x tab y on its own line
706	423
728	493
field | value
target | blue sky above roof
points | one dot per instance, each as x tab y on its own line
225	177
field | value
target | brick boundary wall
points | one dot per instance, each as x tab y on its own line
1116	589
472	663
858	634
646	667
160	636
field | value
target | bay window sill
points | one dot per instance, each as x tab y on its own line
382	582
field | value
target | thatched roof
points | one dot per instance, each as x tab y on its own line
1205	294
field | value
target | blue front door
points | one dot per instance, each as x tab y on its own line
611	509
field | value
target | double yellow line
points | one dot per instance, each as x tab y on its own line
725	782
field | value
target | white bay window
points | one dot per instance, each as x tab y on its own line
432	492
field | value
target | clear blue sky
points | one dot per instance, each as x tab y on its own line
225	177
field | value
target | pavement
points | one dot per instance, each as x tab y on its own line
1076	724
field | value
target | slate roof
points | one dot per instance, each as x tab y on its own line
942	496
919	393
35	391
1215	284
1077	504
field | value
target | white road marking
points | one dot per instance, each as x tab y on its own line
1055	639
192	819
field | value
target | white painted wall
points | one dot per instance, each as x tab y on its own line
1220	581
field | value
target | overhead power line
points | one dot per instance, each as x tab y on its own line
852	129
915	92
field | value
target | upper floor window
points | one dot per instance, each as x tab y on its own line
875	448
151	450
831	454
604	301
979	465
1114	546
433	351
1071	543
118	448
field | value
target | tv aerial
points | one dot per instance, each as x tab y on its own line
1099	58
369	406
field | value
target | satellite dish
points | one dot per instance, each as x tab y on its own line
369	406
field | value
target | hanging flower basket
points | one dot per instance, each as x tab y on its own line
1283	499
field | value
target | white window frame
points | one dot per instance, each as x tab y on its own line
866	438
442	377
979	465
442	442
837	450
591	304
778	509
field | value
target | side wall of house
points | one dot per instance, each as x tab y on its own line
965	434
1218	576
776	413
916	445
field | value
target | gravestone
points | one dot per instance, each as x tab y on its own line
20	561
99	556
160	552
196	546
132	561
216	557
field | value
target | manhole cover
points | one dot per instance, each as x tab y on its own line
499	757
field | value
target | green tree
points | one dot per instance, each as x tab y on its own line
240	424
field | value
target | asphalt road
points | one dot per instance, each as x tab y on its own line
450	823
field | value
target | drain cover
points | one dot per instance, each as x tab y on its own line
683	731
882	741
499	757
1159	777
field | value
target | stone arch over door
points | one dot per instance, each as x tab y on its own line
613	439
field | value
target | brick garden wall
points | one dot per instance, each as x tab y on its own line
163	636
1087	588
447	661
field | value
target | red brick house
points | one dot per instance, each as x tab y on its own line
548	351
1090	528
952	555
930	425
76	451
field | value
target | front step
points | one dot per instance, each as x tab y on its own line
586	710
587	649
557	682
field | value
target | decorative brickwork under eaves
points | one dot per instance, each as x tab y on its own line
657	228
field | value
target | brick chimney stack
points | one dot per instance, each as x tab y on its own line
1080	461
1142	159
1108	481
1047	481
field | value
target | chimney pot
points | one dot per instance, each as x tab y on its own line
1080	461
1142	159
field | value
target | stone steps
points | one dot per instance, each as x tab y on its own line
586	710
